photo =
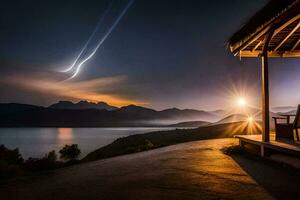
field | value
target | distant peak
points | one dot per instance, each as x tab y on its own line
129	106
132	105
172	109
61	101
83	104
103	103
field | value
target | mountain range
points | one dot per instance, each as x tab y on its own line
82	105
284	109
87	114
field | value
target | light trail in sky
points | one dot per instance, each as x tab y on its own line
103	39
88	41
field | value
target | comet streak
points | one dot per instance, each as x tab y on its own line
88	41
103	39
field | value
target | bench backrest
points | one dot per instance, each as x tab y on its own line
297	119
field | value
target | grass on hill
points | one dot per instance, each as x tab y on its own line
147	141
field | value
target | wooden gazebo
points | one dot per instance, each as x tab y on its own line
274	31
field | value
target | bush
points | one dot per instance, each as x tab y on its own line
51	156
148	145
70	152
39	164
10	162
10	156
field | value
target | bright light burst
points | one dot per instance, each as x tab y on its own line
240	94
242	102
253	127
250	119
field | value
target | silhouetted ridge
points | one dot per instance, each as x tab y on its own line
87	114
8	108
82	105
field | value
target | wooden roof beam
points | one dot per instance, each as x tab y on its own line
286	24
287	37
250	40
236	49
296	44
256	46
282	54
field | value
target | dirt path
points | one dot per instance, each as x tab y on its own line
195	170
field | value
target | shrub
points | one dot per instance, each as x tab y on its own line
10	162
10	156
46	163
146	145
70	152
51	156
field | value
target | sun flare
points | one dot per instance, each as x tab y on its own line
241	102
250	119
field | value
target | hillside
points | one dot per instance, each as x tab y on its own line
141	142
9	108
283	109
190	124
232	118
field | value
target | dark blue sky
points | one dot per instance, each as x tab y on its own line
162	54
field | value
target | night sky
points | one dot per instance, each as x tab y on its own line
161	54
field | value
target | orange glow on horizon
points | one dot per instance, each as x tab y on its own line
94	90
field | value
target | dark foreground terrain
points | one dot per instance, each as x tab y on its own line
194	170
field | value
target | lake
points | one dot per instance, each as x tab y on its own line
36	142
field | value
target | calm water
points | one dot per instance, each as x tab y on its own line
36	142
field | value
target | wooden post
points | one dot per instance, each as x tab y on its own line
265	88
265	98
262	150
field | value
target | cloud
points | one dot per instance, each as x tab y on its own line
51	84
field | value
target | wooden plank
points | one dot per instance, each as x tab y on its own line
277	54
281	146
253	139
256	46
296	44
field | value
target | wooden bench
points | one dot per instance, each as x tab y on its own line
283	145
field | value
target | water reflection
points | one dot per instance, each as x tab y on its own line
65	135
36	142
